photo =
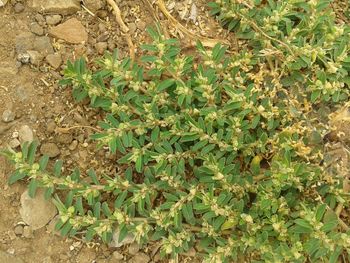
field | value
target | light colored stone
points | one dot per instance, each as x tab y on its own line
94	5
35	57
71	31
8	116
25	134
36	29
36	212
53	20
63	7
43	45
14	143
18	230
19	7
50	149
54	60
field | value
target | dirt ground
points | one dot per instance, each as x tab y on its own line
32	103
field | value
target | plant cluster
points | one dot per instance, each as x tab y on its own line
221	152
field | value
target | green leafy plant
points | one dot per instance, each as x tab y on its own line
218	151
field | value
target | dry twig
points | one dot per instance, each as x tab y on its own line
123	27
208	42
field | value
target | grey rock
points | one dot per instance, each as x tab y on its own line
129	239
50	149
35	57
43	45
94	5
71	31
53	20
101	47
36	29
7	258
63	7
25	134
54	60
140	258
8	116
36	212
19	7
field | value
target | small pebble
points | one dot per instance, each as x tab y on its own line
19	7
25	134
133	248
8	116
73	145
64	138
19	230
50	149
51	126
117	255
24	58
36	29
54	60
53	20
14	143
101	47
15	134
28	232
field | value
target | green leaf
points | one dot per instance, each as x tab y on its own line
165	84
329	225
91	173
43	162
16	176
31	151
57	169
33	185
320	212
